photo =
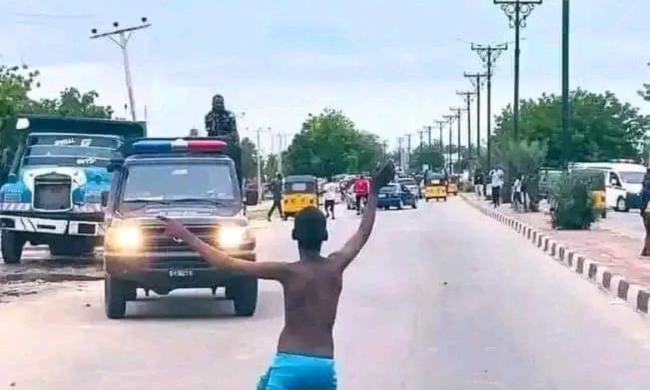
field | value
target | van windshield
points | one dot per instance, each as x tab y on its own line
632	177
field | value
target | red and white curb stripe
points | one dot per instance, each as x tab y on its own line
636	296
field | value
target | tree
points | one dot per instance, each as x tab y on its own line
602	127
249	158
429	155
330	144
15	84
271	166
72	102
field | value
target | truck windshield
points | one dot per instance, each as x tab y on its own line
69	150
169	182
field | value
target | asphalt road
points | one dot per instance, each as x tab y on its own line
442	298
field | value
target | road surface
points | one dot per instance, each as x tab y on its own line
441	298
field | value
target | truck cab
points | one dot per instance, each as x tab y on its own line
53	192
195	181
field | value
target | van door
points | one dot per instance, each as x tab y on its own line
615	191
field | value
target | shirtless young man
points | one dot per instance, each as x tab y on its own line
312	286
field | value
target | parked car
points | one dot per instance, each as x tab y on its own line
396	195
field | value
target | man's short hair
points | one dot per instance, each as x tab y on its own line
310	228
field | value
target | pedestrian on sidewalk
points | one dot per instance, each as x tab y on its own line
478	183
516	195
645	213
497	183
276	190
312	288
330	199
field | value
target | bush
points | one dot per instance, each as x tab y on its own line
572	204
466	187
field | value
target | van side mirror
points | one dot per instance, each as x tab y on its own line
104	198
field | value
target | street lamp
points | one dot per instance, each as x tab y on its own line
517	12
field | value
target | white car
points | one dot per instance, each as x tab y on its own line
411	185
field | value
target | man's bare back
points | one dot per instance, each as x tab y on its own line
311	297
312	286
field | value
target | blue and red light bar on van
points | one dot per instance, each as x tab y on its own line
178	145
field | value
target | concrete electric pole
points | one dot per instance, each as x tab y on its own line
121	37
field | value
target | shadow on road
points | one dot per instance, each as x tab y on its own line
197	304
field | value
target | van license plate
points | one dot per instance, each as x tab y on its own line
180	273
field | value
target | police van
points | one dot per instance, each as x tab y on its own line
194	180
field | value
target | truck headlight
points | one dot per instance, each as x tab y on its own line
124	238
230	236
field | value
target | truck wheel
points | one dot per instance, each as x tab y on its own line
12	246
115	293
400	205
244	293
426	200
415	204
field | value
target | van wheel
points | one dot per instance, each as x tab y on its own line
426	200
12	246
621	205
115	295
415	204
244	294
603	214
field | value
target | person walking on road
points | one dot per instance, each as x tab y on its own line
361	192
312	287
330	199
497	182
276	190
478	182
645	213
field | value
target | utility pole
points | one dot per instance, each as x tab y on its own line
450	120
122	40
477	79
457	112
517	12
566	102
428	128
441	124
400	152
259	161
408	154
467	95
489	54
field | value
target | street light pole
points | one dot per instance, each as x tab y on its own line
489	54
566	102
408	154
517	11
122	40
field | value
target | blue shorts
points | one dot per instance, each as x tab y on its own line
291	371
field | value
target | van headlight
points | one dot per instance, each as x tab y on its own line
124	238
230	236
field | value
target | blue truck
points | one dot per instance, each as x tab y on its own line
54	184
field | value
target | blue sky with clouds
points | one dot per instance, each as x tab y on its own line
391	66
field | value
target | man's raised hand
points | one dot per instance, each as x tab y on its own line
383	175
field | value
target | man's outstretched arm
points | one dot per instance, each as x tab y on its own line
353	246
220	259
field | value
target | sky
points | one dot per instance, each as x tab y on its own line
392	67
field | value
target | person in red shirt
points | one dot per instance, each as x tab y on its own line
361	189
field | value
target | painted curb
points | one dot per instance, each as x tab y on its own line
636	296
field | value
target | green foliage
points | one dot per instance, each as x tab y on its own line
573	206
526	158
271	166
330	144
430	155
71	102
249	158
602	127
